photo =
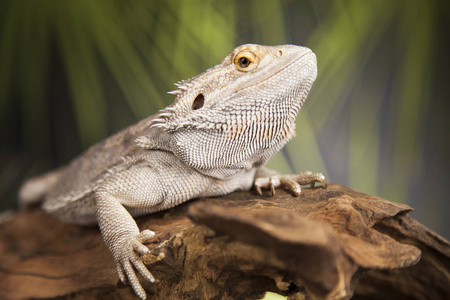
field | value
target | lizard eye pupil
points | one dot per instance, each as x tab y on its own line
198	102
244	62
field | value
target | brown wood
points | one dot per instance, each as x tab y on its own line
328	244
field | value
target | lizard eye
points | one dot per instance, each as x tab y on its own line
246	61
198	102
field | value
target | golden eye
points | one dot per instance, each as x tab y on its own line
246	61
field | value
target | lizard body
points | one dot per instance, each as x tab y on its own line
224	125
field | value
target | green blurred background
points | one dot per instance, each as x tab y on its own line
376	120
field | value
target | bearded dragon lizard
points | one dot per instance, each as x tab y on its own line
224	125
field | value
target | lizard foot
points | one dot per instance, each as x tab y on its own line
128	260
291	182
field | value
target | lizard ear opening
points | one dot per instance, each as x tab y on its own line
198	102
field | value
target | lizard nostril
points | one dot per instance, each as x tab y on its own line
198	102
279	53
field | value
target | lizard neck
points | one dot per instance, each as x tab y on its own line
226	150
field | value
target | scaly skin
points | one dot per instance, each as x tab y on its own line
224	125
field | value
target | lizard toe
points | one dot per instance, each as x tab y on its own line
121	273
142	269
133	280
144	237
317	178
261	183
290	184
139	247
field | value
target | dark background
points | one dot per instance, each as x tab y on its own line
376	120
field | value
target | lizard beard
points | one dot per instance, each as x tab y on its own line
237	145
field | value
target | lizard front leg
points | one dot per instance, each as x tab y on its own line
269	179
125	242
139	190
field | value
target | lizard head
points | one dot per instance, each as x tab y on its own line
245	106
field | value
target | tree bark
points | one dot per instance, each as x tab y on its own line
332	243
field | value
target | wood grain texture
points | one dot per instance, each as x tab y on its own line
326	244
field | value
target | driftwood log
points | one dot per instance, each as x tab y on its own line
332	243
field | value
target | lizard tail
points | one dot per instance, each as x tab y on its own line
33	191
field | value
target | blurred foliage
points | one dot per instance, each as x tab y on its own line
74	72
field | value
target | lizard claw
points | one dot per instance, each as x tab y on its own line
274	182
258	189
316	178
322	181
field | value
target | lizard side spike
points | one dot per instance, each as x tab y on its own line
175	92
164	114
